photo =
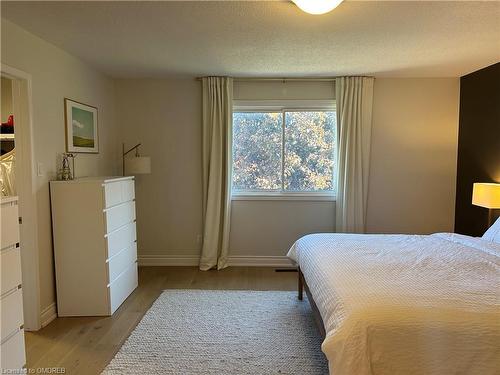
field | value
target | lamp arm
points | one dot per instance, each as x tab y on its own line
125	153
132	149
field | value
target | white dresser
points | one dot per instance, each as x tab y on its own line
95	245
11	303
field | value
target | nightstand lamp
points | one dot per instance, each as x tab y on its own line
486	195
136	164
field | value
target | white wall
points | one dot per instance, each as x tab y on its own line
6	98
269	228
165	116
56	75
413	156
278	90
412	180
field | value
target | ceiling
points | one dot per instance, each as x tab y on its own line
269	38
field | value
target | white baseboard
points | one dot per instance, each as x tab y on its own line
235	261
48	314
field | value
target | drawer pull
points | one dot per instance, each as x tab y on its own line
119	228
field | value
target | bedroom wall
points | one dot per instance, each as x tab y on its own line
6	99
413	155
269	228
411	185
478	145
165	116
56	75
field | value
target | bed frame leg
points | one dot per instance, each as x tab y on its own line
300	286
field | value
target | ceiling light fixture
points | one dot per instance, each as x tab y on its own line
317	6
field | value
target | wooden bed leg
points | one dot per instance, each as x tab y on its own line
300	286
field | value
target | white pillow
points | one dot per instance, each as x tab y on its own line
493	233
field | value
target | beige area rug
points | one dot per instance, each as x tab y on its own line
223	332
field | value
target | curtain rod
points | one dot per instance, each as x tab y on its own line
284	79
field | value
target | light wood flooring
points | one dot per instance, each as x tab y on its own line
86	345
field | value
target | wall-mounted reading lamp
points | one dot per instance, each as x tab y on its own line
486	195
136	165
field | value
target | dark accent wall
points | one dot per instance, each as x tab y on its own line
478	145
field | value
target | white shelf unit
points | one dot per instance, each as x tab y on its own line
95	244
11	299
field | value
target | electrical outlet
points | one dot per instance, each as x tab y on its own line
199	239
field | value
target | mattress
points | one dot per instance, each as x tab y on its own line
405	304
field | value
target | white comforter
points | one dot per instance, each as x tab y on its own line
405	304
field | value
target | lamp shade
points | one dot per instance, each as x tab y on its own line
486	195
138	165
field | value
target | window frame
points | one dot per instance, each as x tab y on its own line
283	106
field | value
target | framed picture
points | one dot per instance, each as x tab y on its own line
81	127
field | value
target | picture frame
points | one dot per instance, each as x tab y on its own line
82	133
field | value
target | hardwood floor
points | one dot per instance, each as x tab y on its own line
86	345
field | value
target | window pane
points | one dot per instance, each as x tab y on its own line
309	150
257	150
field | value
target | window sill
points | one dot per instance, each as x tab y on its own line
283	197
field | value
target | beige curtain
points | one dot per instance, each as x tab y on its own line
354	98
217	166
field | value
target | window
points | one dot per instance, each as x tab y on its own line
284	151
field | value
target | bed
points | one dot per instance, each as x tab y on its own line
404	304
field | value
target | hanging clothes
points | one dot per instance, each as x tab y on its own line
7	174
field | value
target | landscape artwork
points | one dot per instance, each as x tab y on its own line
81	127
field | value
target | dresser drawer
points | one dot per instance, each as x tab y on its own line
128	190
13	356
112	194
10	224
120	215
10	265
118	192
121	288
11	312
122	261
120	239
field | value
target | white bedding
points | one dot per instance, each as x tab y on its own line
405	304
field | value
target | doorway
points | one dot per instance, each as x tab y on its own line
19	178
